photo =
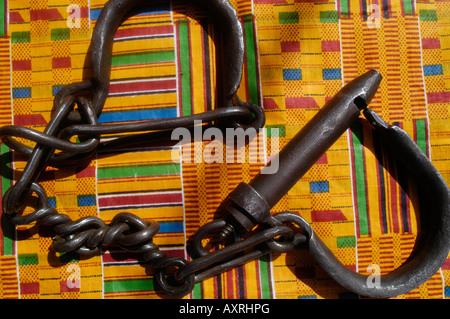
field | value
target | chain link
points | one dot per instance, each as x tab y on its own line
89	236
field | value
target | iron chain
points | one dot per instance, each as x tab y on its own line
89	236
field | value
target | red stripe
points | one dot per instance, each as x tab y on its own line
290	46
394	203
87	172
331	46
230	284
29	119
431	44
155	30
323	159
15	17
64	287
327	216
143	86
29	288
21	65
301	102
140	199
438	97
446	264
59	63
270	104
45	14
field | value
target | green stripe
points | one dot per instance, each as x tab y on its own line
2	18
272	132
128	285
360	180
60	34
185	67
5	168
346	241
20	37
143	57
421	135
288	17
264	264
408	7
252	74
428	15
329	16
28	259
344	8
197	292
138	170
8	234
6	177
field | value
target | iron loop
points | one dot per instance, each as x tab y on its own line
139	232
42	211
115	11
296	220
60	143
231	250
88	222
258	116
168	283
198	250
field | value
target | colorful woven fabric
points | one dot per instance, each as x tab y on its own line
299	53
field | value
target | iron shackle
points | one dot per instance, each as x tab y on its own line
250	204
116	11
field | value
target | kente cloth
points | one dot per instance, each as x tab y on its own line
298	54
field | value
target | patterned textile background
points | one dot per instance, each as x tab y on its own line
299	53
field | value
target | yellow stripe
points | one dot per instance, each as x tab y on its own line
143	45
134	185
197	72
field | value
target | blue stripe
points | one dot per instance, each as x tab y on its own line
331	74
52	202
171	227
94	13
292	74
125	116
56	88
434	69
21	93
319	187
86	200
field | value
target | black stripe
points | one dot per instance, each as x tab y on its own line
207	61
386	9
379	155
